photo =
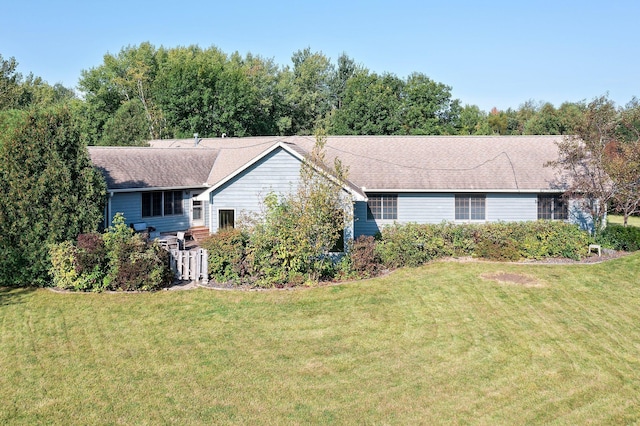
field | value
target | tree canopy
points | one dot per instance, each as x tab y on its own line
602	160
146	92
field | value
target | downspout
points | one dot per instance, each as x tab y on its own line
108	213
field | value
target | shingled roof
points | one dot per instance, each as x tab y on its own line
128	168
407	163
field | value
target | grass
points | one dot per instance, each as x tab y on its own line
633	220
436	344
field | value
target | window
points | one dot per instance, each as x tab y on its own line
172	202
470	207
382	207
161	203
552	207
226	219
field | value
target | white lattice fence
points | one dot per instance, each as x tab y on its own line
189	264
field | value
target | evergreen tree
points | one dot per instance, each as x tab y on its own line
49	192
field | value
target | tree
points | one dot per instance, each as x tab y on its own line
308	90
473	121
49	193
346	69
186	90
10	81
127	126
545	121
300	229
123	78
371	106
570	116
38	93
624	162
586	161
497	121
427	106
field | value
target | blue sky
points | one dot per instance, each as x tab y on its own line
492	53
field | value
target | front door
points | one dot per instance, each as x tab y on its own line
197	213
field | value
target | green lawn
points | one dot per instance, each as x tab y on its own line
437	344
633	220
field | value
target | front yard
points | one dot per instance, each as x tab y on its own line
485	343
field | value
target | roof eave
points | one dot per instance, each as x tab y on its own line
472	190
157	188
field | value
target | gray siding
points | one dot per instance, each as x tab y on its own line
511	207
437	207
277	172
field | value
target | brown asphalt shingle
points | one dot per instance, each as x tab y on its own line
422	163
138	167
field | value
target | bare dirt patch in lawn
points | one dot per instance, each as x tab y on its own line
512	278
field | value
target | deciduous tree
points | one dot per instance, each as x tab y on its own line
624	162
585	159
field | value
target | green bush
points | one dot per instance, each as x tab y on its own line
63	269
227	255
499	241
619	237
412	244
406	245
117	260
551	239
505	250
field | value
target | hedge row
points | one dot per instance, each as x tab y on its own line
231	256
414	244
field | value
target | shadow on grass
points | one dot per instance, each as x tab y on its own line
13	296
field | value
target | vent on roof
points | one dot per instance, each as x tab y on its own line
195	139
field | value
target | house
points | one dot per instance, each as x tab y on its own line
185	183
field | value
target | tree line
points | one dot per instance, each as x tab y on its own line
144	92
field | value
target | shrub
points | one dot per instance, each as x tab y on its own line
544	238
227	255
140	266
117	260
91	253
50	192
619	237
505	250
404	245
412	244
363	258
62	270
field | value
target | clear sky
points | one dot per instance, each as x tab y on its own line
492	53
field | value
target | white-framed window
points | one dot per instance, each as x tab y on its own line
382	207
226	219
470	207
552	207
161	203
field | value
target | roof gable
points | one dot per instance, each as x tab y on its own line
229	158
